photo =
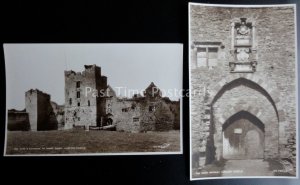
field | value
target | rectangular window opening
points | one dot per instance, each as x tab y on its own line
151	108
207	56
78	84
124	110
136	119
201	57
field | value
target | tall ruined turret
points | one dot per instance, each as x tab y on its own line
38	106
82	103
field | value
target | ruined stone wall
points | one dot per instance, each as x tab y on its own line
150	119
17	120
175	109
82	110
162	118
141	113
59	113
275	72
40	111
46	116
166	114
31	107
134	114
126	114
139	118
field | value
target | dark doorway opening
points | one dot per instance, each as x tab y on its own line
243	137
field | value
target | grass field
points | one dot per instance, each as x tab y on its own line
80	141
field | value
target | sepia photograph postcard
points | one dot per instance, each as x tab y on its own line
243	91
93	99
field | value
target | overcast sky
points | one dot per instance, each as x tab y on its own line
133	66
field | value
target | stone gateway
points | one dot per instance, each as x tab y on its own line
242	63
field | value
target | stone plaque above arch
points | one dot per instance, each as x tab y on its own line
243	46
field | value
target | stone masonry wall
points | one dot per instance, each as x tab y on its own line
135	115
163	117
246	98
40	111
59	112
32	109
17	120
275	38
85	109
175	109
46	116
124	119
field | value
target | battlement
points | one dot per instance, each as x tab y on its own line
89	67
87	70
37	92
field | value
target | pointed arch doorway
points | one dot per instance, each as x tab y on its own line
243	137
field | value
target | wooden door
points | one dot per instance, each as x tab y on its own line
243	139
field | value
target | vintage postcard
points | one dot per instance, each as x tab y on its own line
243	91
93	99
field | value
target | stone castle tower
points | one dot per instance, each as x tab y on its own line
242	63
40	111
82	107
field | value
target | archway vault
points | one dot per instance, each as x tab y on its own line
257	112
268	114
266	87
247	115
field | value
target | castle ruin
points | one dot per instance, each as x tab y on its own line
80	109
137	114
140	113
